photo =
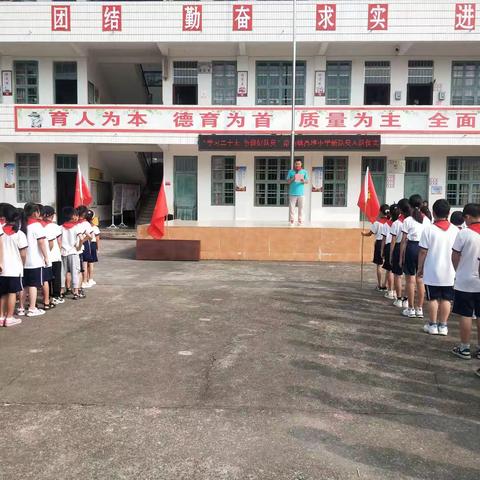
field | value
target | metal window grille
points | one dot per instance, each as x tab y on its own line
274	83
65	70
224	83
185	73
420	72
223	180
377	72
335	175
375	164
465	83
271	188
28	175
463	180
338	83
26	81
66	163
416	164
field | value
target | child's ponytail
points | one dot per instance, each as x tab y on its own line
416	202
13	216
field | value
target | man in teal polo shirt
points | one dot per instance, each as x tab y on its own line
296	178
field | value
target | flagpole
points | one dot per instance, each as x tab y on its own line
294	82
365	195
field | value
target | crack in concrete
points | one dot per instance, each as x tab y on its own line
205	390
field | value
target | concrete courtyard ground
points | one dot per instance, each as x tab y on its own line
217	370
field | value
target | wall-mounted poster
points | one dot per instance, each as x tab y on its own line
241	179
242	84
9	175
317	179
319	83
7	83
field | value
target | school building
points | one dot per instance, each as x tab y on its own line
198	94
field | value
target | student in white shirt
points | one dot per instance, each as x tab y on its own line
72	241
15	245
387	247
412	230
54	235
377	230
465	258
436	268
396	231
85	229
91	249
456	218
37	258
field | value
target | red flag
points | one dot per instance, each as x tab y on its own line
82	192
368	200
157	224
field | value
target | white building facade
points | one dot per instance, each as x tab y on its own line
119	86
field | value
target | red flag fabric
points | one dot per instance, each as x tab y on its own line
368	200
157	224
82	192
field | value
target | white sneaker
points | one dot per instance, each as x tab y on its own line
12	321
443	330
92	282
433	329
426	327
419	312
35	312
398	303
390	295
409	312
405	303
86	285
21	312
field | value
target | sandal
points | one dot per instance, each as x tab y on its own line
75	296
52	304
46	306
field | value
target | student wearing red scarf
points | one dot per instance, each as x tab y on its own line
465	258
436	268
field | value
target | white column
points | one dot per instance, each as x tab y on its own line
398	80
82	81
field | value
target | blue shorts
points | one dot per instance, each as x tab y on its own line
396	268
93	253
439	293
10	285
377	253
467	304
47	274
386	253
33	277
410	265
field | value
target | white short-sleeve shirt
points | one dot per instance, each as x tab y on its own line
438	270
414	229
70	234
13	242
96	233
386	232
377	230
396	229
35	232
53	231
468	244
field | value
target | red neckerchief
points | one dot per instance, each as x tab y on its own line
31	221
69	225
401	217
475	227
8	229
44	223
383	220
442	224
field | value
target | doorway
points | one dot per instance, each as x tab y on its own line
65	77
377	167
416	176
66	166
185	188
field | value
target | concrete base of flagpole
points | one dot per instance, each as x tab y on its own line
168	250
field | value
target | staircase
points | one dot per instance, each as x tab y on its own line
146	210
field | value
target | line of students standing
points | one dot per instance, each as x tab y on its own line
37	255
439	258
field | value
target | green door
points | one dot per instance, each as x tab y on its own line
377	166
416	176
185	188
